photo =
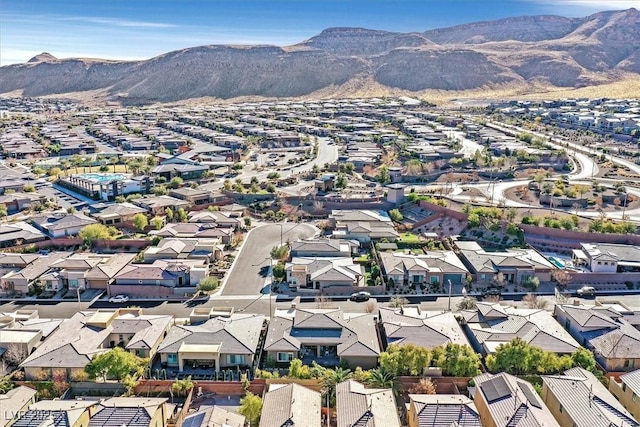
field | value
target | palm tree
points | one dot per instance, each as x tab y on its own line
332	378
381	378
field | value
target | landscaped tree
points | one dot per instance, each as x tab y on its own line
208	284
115	363
424	386
92	232
251	408
140	221
584	359
533	301
456	360
520	358
383	176
181	215
395	215
182	387
467	303
406	359
157	222
3	210
333	377
398	302
381	378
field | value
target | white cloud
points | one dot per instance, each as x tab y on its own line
117	22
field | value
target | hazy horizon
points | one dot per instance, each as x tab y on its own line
131	30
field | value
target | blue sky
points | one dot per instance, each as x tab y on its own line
133	29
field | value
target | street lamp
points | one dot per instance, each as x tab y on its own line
449	305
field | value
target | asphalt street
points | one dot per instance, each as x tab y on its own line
259	304
250	269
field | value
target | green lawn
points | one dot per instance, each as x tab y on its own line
409	238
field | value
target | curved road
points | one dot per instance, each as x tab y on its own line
248	272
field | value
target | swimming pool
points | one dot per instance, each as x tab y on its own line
555	261
101	177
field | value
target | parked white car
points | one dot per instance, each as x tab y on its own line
119	299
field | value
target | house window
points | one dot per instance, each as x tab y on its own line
634	397
434	279
235	359
628	363
284	357
73	283
624	387
416	279
172	359
483	277
561	408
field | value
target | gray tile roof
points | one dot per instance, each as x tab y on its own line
493	324
354	334
14	401
445	410
410	325
512	402
358	406
75	342
291	405
214	416
586	400
632	380
238	334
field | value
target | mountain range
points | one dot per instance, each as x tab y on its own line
532	50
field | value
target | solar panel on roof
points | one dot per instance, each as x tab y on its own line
495	389
532	398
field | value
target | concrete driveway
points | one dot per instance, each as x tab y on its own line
249	271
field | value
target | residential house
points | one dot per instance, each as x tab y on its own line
221	219
626	388
220	342
21	332
91	271
85	270
503	400
214	416
169	248
10	261
131	412
328	336
87	333
198	196
14	403
358	405
607	257
324	273
290	405
605	330
578	399
435	268
183	171
54	413
19	233
22	281
118	213
410	324
195	230
61	224
515	266
163	278
322	248
157	205
442	410
362	225
19	201
490	325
